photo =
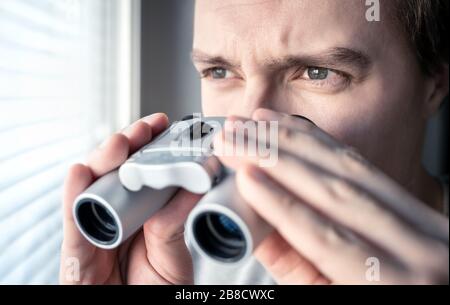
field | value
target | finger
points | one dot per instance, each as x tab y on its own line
77	180
346	164
138	270
141	132
259	134
138	134
285	264
347	204
116	149
263	134
157	121
332	248
297	123
321	149
168	223
164	238
232	125
317	146
112	153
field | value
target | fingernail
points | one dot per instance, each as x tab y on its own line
150	118
147	119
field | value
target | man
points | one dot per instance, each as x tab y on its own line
369	86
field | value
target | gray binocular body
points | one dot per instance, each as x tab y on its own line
222	226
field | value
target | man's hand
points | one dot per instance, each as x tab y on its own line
333	211
157	254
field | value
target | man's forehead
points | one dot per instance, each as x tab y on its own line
278	27
276	11
248	14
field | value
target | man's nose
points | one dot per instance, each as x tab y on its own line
259	92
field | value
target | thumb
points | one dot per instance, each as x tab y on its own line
285	264
164	239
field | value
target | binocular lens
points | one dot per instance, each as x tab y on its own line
229	226
97	222
219	236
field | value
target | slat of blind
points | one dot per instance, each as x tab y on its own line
32	136
13	57
19	85
46	276
57	8
19	195
35	250
20	35
34	161
72	11
35	15
48	49
20	104
27	243
17	21
19	114
38	261
31	87
69	26
14	61
24	62
24	219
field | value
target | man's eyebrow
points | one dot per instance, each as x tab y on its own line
203	58
332	58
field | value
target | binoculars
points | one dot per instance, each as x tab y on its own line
222	226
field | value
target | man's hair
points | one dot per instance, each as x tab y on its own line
425	24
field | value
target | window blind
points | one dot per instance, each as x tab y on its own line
56	102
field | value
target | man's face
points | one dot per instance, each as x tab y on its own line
357	80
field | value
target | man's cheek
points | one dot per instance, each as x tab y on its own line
352	120
349	129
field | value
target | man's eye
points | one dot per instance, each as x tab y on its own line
323	78
218	73
316	73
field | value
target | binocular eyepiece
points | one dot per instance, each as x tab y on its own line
221	226
107	213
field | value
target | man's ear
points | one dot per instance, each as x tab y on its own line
437	90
